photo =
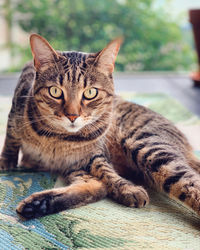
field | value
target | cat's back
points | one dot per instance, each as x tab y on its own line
130	118
135	123
126	112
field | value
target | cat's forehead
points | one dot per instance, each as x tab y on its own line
77	55
77	58
75	65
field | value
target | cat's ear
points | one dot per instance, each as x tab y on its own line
105	60
41	50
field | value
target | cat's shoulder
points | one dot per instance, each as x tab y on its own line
28	69
27	76
24	84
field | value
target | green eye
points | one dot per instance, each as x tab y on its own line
55	92
90	93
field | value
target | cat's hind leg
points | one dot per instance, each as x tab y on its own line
179	181
166	169
84	189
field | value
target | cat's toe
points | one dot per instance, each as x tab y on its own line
134	197
27	212
6	164
34	209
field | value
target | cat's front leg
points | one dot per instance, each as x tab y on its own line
83	189
9	154
120	189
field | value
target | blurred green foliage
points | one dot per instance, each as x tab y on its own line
151	40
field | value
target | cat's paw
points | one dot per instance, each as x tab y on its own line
133	196
36	205
7	164
190	195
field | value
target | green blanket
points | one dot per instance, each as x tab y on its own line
163	224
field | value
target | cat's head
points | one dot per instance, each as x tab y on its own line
74	90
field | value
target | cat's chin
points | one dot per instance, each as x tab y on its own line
73	129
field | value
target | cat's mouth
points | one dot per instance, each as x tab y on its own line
71	127
64	125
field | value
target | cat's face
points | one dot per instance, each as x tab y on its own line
73	90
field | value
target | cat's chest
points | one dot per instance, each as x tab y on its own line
54	154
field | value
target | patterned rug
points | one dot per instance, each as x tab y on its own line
163	224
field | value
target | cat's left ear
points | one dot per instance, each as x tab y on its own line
105	60
42	51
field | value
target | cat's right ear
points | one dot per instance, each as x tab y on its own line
105	60
41	50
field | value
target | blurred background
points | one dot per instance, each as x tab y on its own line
153	67
157	33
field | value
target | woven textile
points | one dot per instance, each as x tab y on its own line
163	224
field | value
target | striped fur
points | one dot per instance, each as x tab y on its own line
110	140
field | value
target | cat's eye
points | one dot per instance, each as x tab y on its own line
55	92
90	93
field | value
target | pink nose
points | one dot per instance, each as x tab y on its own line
72	118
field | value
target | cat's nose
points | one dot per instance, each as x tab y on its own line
72	117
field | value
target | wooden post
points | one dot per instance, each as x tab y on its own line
8	19
194	16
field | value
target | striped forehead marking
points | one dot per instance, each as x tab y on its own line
73	61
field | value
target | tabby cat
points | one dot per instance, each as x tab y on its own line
66	119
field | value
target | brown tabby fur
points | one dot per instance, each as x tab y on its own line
94	143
